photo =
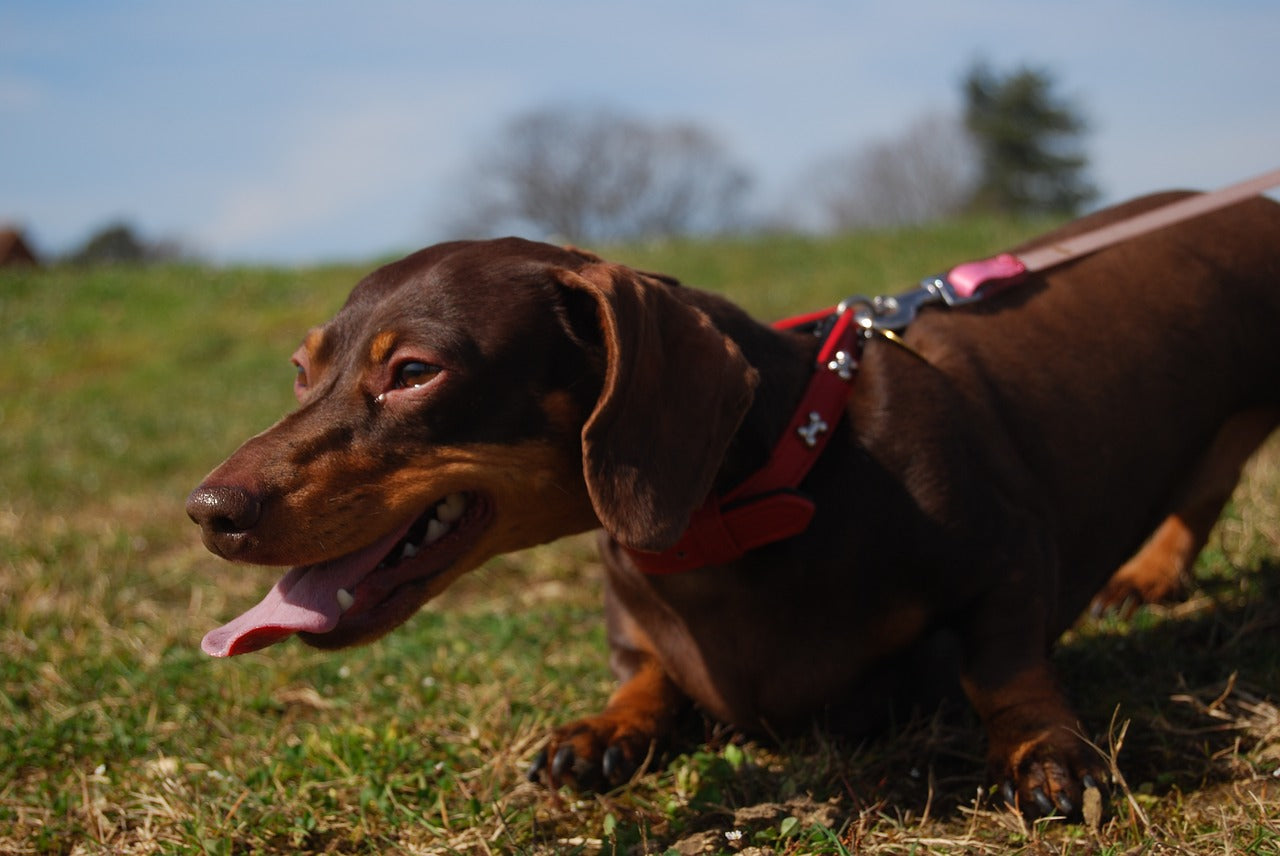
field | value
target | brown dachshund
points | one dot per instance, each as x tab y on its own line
991	473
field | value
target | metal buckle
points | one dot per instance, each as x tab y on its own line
945	291
892	312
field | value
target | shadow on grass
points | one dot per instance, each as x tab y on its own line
1197	681
1194	681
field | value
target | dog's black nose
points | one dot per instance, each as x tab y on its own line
225	515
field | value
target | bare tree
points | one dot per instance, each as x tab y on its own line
924	174
594	175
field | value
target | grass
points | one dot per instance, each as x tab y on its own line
120	387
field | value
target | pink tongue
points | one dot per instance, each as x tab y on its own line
305	600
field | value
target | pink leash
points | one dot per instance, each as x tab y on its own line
1006	268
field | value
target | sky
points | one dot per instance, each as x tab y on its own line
283	131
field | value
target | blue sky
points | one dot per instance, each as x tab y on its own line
306	131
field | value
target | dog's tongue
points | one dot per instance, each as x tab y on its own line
305	600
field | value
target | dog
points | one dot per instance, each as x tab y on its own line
997	470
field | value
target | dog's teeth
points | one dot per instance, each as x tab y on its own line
409	551
451	508
345	599
435	531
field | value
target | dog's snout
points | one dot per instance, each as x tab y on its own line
225	515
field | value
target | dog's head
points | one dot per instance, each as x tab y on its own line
471	399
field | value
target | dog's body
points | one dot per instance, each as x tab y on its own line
986	483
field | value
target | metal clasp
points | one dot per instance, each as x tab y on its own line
891	313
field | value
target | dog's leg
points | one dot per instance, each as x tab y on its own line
1162	568
1035	752
608	749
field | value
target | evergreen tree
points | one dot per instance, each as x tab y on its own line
1031	160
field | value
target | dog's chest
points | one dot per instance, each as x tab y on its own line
768	655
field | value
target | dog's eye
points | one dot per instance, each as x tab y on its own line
415	373
300	378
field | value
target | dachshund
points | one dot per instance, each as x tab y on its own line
995	471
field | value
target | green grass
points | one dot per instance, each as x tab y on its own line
120	387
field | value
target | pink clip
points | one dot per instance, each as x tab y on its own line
994	273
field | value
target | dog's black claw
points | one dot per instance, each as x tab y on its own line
1007	794
563	761
536	766
613	763
1042	802
1089	782
1066	807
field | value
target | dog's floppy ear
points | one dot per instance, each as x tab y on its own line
674	392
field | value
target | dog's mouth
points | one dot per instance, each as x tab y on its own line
365	593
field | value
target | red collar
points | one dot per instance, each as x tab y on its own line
768	506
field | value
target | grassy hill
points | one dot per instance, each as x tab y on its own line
121	387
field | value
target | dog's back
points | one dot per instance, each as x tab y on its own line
1112	376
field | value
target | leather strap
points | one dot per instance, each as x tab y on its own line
1042	258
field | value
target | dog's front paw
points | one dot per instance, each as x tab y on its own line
592	754
1049	775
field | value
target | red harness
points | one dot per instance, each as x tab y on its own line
767	506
